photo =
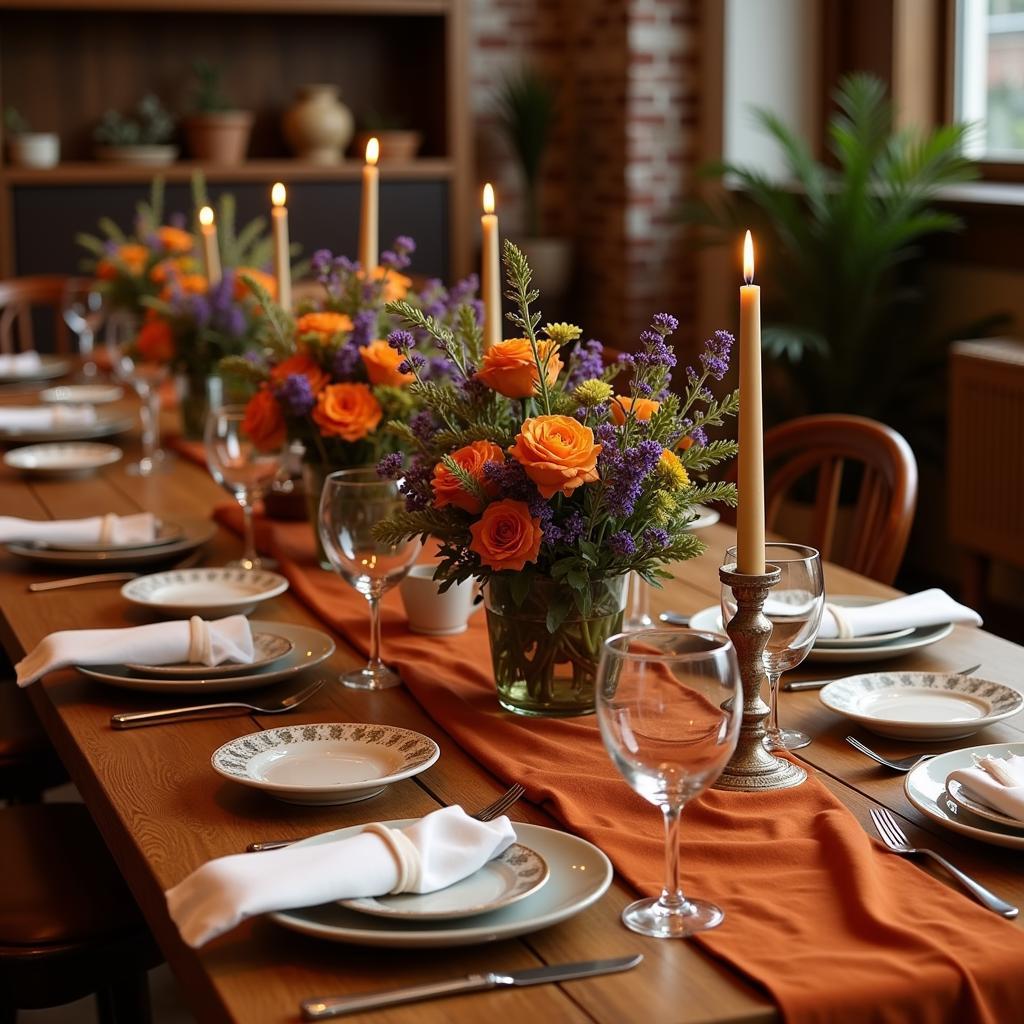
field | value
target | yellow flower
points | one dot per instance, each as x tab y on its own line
592	392
562	333
671	472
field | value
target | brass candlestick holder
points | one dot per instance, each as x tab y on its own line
752	767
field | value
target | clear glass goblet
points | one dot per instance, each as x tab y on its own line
669	708
794	608
242	467
83	312
352	502
145	379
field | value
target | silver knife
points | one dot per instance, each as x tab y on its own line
324	1007
807	684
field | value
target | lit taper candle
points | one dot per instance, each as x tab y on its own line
282	260
211	254
750	511
368	230
490	271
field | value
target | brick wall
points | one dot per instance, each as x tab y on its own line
624	150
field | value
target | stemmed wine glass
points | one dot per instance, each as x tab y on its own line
243	467
82	309
794	608
669	709
145	379
352	502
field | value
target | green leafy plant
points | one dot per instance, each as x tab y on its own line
149	125
15	122
527	104
209	97
845	307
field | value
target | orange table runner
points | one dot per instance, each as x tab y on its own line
816	913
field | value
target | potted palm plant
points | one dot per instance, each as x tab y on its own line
527	105
216	132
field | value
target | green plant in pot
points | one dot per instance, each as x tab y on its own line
27	148
216	131
143	137
527	105
846	326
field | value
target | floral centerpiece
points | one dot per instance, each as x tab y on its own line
540	479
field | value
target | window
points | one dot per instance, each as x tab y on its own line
989	76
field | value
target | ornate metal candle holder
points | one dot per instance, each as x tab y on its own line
752	767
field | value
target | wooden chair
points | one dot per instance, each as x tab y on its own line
19	296
874	536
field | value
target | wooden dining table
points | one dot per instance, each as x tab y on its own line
163	811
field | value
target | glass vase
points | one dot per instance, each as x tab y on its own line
198	393
313	476
549	673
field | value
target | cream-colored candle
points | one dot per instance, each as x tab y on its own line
490	271
211	254
282	259
368	230
750	511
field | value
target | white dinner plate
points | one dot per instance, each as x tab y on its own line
516	873
309	647
204	592
580	875
196	533
72	459
267	648
105	425
962	796
165	533
925	786
921	705
852	643
49	368
332	763
82	394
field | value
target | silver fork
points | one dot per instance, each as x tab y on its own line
133	719
903	764
895	839
488	813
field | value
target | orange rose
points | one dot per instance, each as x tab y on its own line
396	286
268	281
508	367
348	411
506	536
327	325
642	408
264	422
382	362
472	458
155	341
174	239
685	442
105	270
557	452
165	270
301	363
133	257
185	284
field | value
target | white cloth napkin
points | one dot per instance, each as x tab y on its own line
929	608
46	417
996	781
109	529
437	851
21	362
163	643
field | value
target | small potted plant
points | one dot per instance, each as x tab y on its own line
216	132
143	137
27	148
398	143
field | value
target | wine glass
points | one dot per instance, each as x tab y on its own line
145	379
669	709
638	604
794	608
352	502
245	468
82	309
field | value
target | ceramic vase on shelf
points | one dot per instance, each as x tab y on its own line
542	672
318	126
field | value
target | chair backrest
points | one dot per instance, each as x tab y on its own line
819	449
19	296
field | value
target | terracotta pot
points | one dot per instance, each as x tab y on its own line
318	126
396	147
219	138
550	260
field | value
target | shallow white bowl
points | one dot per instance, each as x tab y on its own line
204	591
82	394
73	459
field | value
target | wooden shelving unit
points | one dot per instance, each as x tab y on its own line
63	62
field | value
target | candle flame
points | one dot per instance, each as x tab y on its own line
278	194
372	151
748	259
488	198
206	216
